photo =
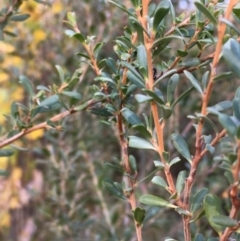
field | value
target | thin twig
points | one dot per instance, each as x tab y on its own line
43	125
148	42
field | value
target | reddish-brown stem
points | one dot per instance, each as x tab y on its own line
234	195
148	42
129	182
4	142
205	99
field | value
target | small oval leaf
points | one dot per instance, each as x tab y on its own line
159	181
49	101
161	13
19	17
181	146
137	142
152	200
224	221
193	81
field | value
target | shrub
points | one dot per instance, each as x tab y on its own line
161	91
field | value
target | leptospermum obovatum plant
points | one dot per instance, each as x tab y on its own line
153	31
134	74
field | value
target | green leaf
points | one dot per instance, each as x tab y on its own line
166	156
165	111
210	148
238	133
182	96
139	215
183	212
101	112
133	163
172	85
190	62
111	187
172	11
152	200
142	98
138	81
97	49
193	81
229	176
180	181
231	54
132	69
228	124
136	3
159	181
168	73
236	107
197	199
199	237
10	33
49	101
230	24
26	84
137	142
111	64
223	76
125	56
131	117
174	161
60	72
206	12
142	60
72	94
154	95
19	17
137	26
70	33
212	207
43	109
123	8
181	146
142	130
130	89
209	121
14	110
161	45
42	87
182	53
200	214
6	152
82	106
163	42
79	37
224	221
236	11
221	106
158	164
160	14
71	16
